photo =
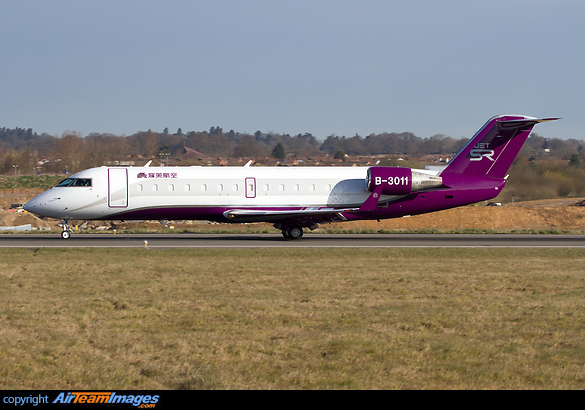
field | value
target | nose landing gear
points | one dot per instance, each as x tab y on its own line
66	234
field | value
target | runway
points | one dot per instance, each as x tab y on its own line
310	240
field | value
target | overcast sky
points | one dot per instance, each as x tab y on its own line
320	66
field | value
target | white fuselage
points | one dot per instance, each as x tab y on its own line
116	191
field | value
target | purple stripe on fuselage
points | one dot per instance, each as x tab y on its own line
186	212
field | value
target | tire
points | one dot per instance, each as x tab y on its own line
295	232
65	234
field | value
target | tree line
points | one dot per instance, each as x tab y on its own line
26	148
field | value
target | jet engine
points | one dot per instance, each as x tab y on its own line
400	181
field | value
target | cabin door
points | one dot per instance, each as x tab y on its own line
250	187
117	187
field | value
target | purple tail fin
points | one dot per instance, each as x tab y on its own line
495	146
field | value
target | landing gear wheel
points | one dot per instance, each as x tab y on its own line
66	234
293	232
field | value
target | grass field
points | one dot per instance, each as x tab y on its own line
292	319
40	182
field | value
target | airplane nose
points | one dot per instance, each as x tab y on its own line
44	205
30	205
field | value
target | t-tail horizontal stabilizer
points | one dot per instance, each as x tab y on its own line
494	147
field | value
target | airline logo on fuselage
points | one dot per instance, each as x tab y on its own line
152	175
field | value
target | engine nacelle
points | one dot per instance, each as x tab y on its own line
400	181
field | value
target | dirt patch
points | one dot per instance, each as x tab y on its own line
10	218
16	196
484	218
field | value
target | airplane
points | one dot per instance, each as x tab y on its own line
292	198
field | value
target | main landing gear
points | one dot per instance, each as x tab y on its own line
292	232
66	234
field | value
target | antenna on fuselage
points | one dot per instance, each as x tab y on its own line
148	163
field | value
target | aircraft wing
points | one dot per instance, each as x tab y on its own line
263	215
317	215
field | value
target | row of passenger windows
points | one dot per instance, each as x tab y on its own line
233	188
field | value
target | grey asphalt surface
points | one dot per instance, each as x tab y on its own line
310	240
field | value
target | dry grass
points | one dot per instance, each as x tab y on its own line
292	318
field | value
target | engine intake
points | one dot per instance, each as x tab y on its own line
400	181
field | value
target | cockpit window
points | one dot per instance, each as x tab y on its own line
75	182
